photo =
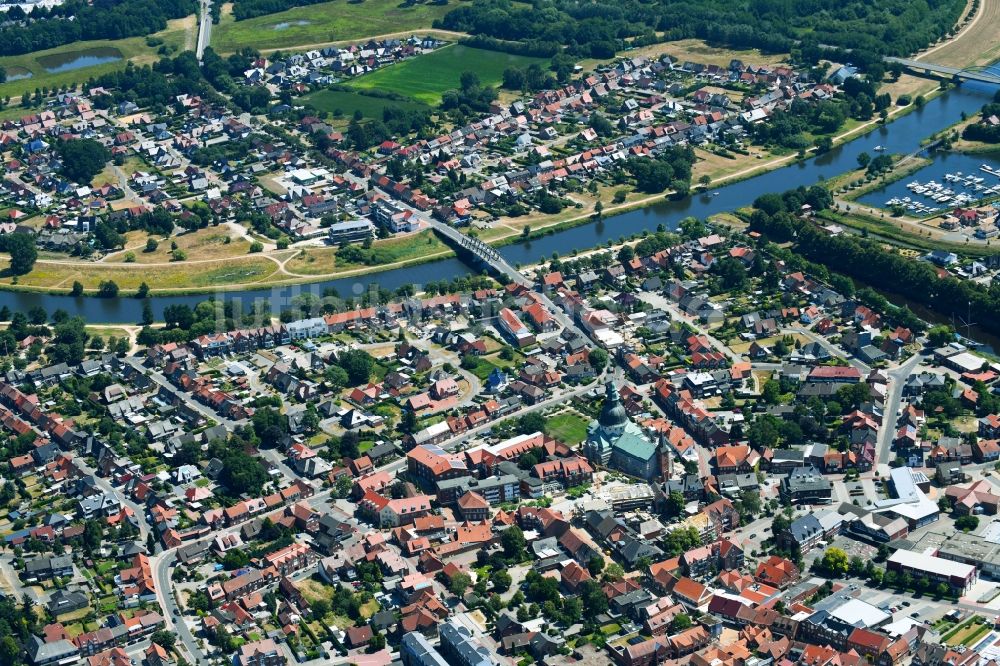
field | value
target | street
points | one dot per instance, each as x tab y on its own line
204	28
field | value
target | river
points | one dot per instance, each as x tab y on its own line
900	136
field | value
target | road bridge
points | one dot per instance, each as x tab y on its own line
481	251
494	262
922	67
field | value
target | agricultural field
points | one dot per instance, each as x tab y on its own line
426	78
322	24
80	61
347	103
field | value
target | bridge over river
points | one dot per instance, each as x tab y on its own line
980	76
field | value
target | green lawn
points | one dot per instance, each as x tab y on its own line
349	102
413	247
966	633
483	368
323	23
136	49
567	427
425	78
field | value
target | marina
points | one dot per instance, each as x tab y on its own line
958	190
952	180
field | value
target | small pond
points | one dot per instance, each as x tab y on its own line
284	25
65	62
17	74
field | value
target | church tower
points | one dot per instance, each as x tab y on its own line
663	453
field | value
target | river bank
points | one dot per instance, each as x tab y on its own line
578	232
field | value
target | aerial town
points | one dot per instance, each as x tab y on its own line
678	462
485	333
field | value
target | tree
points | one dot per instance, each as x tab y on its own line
598	359
596	565
23	253
750	501
107	289
600	124
613	572
835	562
359	365
501	581
680	622
142	291
675	503
764	432
164	638
270	425
151	245
408	422
513	78
320	608
69	341
77	289
594	601
771	392
531	423
235	559
513	543
864	159
459	583
82	159
966	523
940	335
243	474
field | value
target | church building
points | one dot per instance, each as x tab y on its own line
615	442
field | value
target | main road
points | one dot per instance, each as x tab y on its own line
204	28
897	378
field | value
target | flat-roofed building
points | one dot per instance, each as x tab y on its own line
351	231
957	575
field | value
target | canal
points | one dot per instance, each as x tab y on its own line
900	136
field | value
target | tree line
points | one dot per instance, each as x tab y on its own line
868	261
981	130
75	20
599	28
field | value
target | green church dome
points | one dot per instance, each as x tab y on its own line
612	413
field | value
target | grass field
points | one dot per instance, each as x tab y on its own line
567	427
208	243
697	51
135	49
349	102
321	261
427	77
179	276
322	23
979	44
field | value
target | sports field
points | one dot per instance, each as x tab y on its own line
323	23
427	77
348	102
